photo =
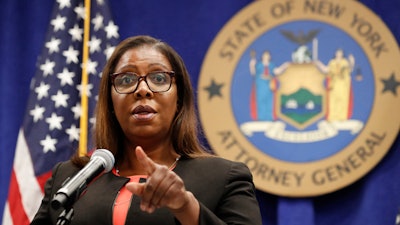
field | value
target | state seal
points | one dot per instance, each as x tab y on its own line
304	92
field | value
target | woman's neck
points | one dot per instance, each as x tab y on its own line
160	154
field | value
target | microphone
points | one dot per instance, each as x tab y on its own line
101	160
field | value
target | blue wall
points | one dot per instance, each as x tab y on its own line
190	27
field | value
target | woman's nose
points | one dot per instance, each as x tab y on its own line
143	89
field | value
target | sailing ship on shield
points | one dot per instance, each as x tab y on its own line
301	93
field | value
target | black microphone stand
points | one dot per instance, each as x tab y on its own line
62	200
65	216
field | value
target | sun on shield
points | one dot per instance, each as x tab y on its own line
301	95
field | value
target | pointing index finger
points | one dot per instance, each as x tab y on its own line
146	162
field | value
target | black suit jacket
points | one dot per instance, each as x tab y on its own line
224	189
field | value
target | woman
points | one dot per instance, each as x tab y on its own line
146	118
338	73
265	86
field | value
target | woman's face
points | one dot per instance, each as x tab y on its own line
339	54
144	114
266	57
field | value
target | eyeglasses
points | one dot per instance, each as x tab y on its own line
128	82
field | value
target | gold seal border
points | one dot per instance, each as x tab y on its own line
299	179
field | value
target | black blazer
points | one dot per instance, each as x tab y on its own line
224	189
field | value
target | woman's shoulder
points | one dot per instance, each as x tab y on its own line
66	165
205	160
200	174
214	164
65	169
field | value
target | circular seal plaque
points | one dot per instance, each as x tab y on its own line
304	92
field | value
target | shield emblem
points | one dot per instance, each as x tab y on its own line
301	96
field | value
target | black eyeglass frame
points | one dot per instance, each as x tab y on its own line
140	78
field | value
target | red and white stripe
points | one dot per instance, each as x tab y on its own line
25	193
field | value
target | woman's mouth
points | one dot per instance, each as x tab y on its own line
143	112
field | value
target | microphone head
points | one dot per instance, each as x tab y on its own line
106	156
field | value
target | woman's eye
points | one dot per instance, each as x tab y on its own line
158	78
127	79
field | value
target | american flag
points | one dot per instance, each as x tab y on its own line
50	132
